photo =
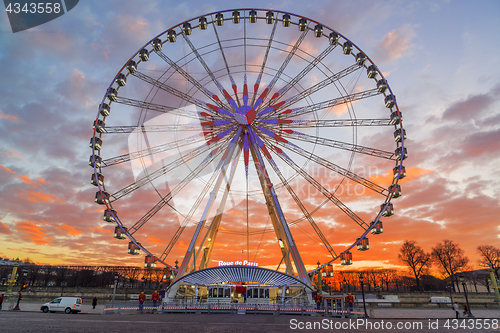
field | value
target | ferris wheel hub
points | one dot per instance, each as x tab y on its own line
245	115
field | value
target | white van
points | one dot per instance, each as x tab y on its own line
66	304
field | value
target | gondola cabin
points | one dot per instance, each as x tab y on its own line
236	17
389	101
346	258
157	44
269	17
219	19
334	38
101	197
253	16
121	79
363	244
97	179
186	29
133	248
401	153
378	228
97	159
149	262
257	295
219	294
347	48
96	143
302	24
203	23
360	59
132	66
382	85
389	211
286	20
108	215
171	36
397	174
111	95
120	233
144	55
372	71
395	118
399	135
318	30
395	189
99	125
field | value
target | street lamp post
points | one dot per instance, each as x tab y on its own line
494	283
20	295
143	279
361	280
114	288
469	313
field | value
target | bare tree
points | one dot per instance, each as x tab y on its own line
450	257
489	255
416	259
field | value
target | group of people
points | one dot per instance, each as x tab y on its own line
457	310
142	298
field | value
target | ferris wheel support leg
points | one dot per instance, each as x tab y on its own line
269	191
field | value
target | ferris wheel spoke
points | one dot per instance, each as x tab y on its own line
346	210
285	63
288	123
233	84
335	168
177	93
167	198
304	210
289	113
264	61
304	72
216	180
157	149
188	77
223	91
274	109
161	171
158	107
338	144
167	128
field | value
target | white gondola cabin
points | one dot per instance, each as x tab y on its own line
157	44
108	215
121	79
378	228
389	211
347	48
96	143
286	20
97	179
101	197
236	17
219	294
149	262
95	161
257	295
120	233
302	24
203	23
346	258
395	189
269	17
132	66
363	244
397	174
219	19
99	125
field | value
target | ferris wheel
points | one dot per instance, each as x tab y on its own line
248	136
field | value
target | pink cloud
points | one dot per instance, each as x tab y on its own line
397	43
8	116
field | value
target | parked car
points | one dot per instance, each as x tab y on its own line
66	304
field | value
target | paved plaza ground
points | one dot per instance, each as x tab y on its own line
31	319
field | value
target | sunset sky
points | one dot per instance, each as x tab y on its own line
441	59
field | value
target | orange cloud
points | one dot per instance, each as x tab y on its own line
70	230
8	116
397	42
32	232
41	196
